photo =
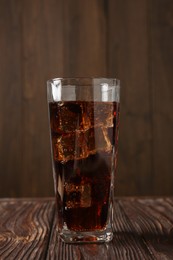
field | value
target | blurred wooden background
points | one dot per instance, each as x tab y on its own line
132	40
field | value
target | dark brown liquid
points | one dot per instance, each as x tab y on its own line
83	141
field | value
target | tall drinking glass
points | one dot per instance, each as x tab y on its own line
84	119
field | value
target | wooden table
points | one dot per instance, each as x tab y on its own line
143	229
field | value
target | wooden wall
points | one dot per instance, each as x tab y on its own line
132	40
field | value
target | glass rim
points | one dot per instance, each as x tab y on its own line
84	78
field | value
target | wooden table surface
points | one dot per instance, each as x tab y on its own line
143	229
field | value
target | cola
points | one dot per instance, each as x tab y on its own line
84	144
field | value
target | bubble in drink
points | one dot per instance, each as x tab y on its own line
83	140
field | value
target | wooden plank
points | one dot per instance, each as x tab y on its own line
161	42
24	228
52	42
128	59
142	230
127	244
84	38
42	59
10	98
44	39
152	220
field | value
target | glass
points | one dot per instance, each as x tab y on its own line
84	120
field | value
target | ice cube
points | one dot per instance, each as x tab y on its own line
95	114
70	146
77	195
85	201
65	117
102	139
103	114
72	116
80	144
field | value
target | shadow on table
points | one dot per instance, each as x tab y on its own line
128	244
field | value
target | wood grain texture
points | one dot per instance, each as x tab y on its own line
10	98
143	229
128	58
153	221
131	40
24	228
127	243
85	38
161	41
36	167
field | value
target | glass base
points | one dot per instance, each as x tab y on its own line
87	237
